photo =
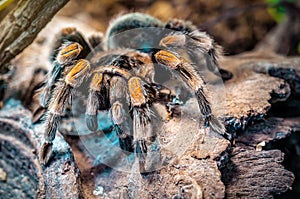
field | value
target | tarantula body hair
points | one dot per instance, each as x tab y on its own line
61	98
120	76
67	53
196	83
130	21
72	35
120	104
182	35
142	128
137	92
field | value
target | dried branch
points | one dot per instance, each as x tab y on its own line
22	24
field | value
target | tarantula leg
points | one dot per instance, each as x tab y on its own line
93	102
58	103
47	89
67	53
120	126
70	35
195	41
91	111
142	129
97	93
119	100
195	83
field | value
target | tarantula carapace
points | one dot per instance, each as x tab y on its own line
119	76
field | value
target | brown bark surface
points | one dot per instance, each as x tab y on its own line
20	142
21	26
208	167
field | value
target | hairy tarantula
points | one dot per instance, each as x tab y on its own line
120	76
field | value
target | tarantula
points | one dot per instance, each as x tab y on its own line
120	73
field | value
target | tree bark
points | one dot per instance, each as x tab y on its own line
21	26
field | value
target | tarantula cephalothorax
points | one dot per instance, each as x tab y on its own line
117	68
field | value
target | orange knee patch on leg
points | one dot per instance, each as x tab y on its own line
136	91
69	53
167	58
96	81
75	77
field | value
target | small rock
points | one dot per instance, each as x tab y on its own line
3	175
260	146
98	191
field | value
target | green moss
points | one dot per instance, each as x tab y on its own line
277	11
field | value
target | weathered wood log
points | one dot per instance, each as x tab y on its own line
270	130
186	166
25	177
20	27
287	70
255	174
249	94
191	170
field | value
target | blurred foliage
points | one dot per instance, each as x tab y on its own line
277	10
236	25
4	3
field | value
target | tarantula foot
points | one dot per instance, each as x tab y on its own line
126	143
141	152
216	125
140	149
91	122
45	153
206	121
125	140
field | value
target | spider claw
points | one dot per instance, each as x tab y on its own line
91	122
141	152
140	149
216	125
126	143
45	153
125	140
206	123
